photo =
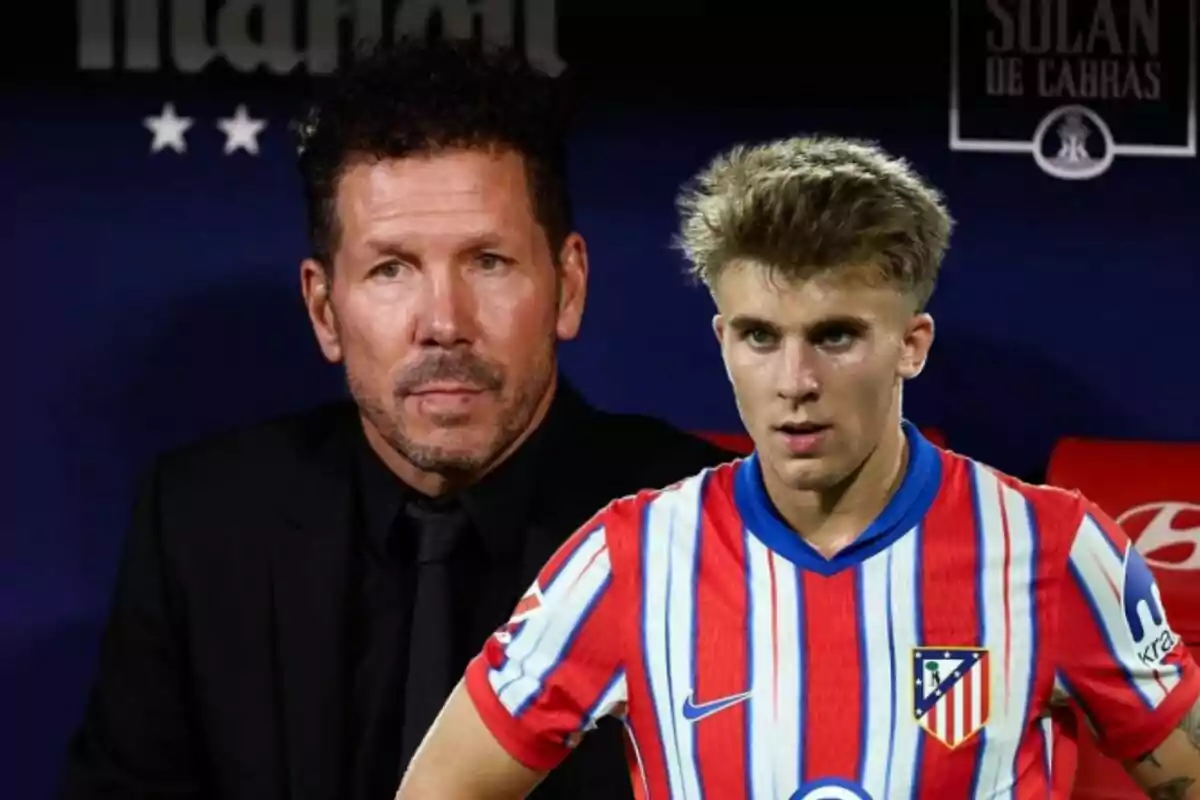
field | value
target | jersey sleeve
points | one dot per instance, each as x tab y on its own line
1120	660
555	668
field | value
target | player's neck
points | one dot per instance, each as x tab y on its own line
832	519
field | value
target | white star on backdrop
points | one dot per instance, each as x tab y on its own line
168	130
241	131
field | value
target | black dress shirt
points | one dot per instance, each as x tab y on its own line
389	661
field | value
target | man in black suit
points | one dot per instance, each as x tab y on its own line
296	600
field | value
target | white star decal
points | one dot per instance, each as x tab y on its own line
168	130
241	131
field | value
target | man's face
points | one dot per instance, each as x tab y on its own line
816	366
445	304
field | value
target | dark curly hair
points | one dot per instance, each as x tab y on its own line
418	96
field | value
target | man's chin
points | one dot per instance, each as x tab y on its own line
449	421
446	461
449	447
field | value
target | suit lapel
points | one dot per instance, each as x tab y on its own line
310	574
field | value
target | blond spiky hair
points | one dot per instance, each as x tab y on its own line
811	204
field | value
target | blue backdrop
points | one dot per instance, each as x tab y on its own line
153	297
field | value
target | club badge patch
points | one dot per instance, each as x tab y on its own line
950	692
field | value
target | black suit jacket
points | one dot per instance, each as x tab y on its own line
225	663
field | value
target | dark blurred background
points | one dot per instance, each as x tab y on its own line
153	296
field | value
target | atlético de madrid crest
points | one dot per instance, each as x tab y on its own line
950	692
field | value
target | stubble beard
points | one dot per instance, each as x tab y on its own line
478	454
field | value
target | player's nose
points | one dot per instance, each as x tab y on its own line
797	378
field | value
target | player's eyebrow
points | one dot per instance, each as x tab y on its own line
745	322
850	322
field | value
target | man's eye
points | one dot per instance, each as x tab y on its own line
388	269
491	261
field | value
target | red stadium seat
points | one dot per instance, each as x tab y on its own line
1153	491
737	442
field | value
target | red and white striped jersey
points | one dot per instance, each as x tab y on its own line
924	661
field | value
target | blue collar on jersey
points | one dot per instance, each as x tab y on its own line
908	505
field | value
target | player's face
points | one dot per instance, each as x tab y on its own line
816	366
445	304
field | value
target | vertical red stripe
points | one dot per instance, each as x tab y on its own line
832	694
1034	783
1031	750
949	557
642	721
1030	757
1006	582
721	641
1055	523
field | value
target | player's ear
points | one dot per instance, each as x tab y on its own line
918	339
718	326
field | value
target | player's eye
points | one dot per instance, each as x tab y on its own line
759	338
836	337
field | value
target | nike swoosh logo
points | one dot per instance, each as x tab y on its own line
695	713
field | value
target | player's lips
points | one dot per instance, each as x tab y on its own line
803	438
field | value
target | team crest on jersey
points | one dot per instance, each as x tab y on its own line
950	692
527	606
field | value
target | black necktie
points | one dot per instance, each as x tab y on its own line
443	535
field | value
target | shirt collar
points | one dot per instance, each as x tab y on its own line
921	482
499	505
